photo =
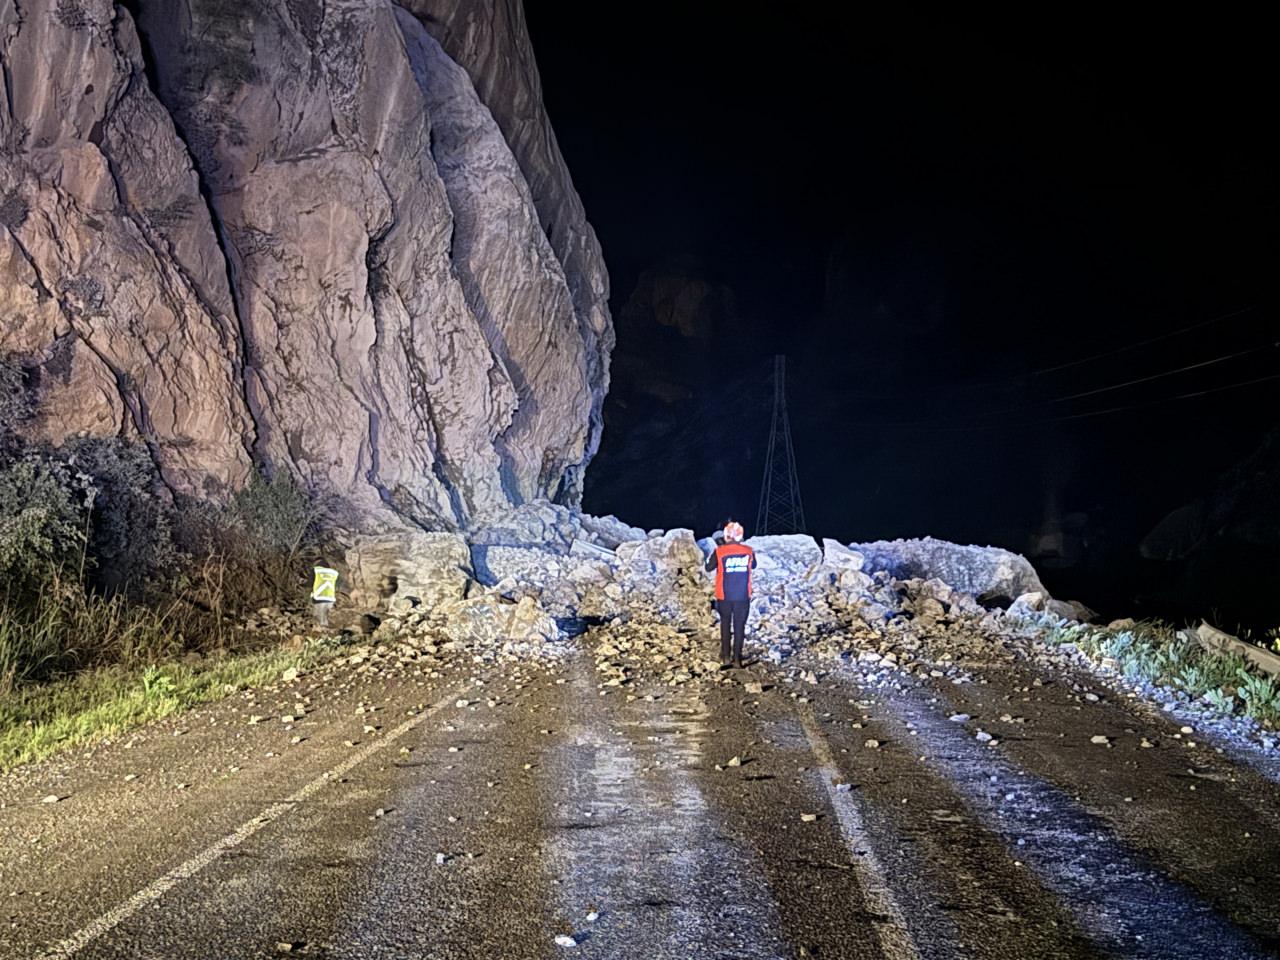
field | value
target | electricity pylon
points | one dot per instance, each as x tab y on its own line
780	508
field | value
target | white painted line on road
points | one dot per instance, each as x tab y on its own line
895	940
162	885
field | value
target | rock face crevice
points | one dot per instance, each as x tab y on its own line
304	235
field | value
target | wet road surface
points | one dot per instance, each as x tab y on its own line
524	810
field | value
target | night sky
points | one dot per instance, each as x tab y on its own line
952	230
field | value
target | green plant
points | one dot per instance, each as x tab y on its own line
156	684
1221	699
278	514
130	539
43	519
30	646
41	719
1260	695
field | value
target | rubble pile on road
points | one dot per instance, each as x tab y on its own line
519	584
626	651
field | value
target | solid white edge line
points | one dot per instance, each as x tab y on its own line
895	940
161	885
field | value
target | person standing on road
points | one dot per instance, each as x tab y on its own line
732	562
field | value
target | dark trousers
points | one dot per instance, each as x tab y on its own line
733	620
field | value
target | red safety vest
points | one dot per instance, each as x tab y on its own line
733	562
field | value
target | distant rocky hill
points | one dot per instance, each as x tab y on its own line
336	238
1224	547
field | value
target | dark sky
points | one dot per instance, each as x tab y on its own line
924	216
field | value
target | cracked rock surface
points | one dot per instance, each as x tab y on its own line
302	233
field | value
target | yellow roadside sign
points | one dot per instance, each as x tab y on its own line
324	589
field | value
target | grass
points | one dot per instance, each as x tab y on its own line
1154	652
64	626
38	720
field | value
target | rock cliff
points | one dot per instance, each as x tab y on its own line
330	237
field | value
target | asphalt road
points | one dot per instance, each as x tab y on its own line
387	812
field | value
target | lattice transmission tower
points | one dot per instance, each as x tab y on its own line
780	508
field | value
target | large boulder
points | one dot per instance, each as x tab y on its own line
405	569
665	574
569	586
489	622
997	576
782	560
609	531
539	524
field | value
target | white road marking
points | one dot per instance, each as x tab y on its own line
895	940
161	885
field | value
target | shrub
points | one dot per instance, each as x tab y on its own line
1222	700
277	513
1261	696
130	541
253	549
43	516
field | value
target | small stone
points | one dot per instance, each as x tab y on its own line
51	798
1100	740
734	762
959	718
982	736
129	777
564	940
1146	744
290	674
1187	730
808	817
872	744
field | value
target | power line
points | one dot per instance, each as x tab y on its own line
1162	374
1022	378
1109	388
1181	396
948	428
1140	343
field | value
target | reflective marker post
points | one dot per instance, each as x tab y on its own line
324	593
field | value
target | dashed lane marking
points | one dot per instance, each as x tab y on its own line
161	885
895	940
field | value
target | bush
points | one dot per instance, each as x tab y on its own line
130	542
1261	696
277	513
258	543
43	520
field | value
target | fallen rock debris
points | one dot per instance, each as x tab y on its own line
520	587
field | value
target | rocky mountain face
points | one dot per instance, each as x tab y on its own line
329	236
